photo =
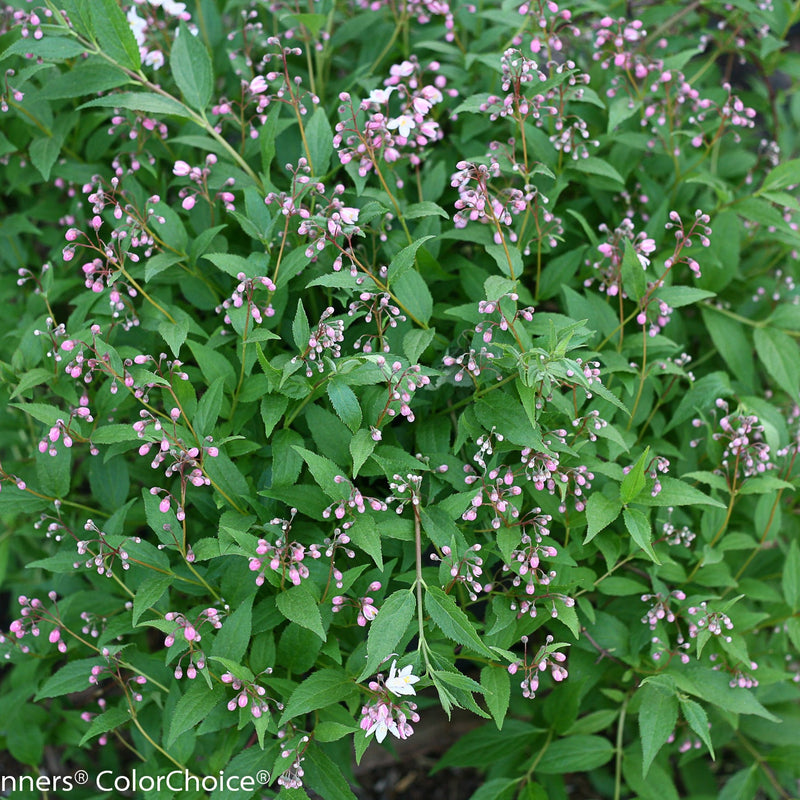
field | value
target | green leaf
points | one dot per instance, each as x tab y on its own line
361	447
600	513
325	473
104	722
194	706
320	142
232	639
324	776
678	296
345	403
633	273
790	577
232	264
301	330
732	344
597	166
414	295
388	628
44	153
174	334
713	687
415	343
634	481
497	683
52	48
148	102
321	689
73	677
675	492
209	407
404	260
453	622
114	34
575	754
697	718
300	606
55	472
191	67
658	714
273	407
425	208
783	175
148	594
781	357
365	535
638	526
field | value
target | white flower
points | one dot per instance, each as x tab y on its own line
404	124
400	683
138	26
380	96
349	215
383	724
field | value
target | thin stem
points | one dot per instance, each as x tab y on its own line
419	583
619	752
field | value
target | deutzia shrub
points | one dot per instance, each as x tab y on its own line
363	361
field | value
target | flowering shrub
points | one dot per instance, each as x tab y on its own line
371	357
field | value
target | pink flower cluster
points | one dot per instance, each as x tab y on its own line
249	693
366	608
373	131
547	656
199	177
244	293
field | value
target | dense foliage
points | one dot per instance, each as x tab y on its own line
365	357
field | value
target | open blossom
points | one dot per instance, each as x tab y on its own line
401	683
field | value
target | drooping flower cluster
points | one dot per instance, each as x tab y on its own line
243	295
250	693
547	656
385	715
377	307
324	341
32	614
373	131
199	177
745	452
101	553
365	606
283	556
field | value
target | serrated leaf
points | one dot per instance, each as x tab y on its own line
641	532
576	754
232	639
404	260
174	334
73	677
361	447
113	33
299	605
697	718
634	481
497	684
365	535
416	341
633	272
323	775
658	714
105	722
191	67
386	630
453	622
345	403
321	689
301	330
148	594
781	358
600	513
790	577
193	707
148	102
